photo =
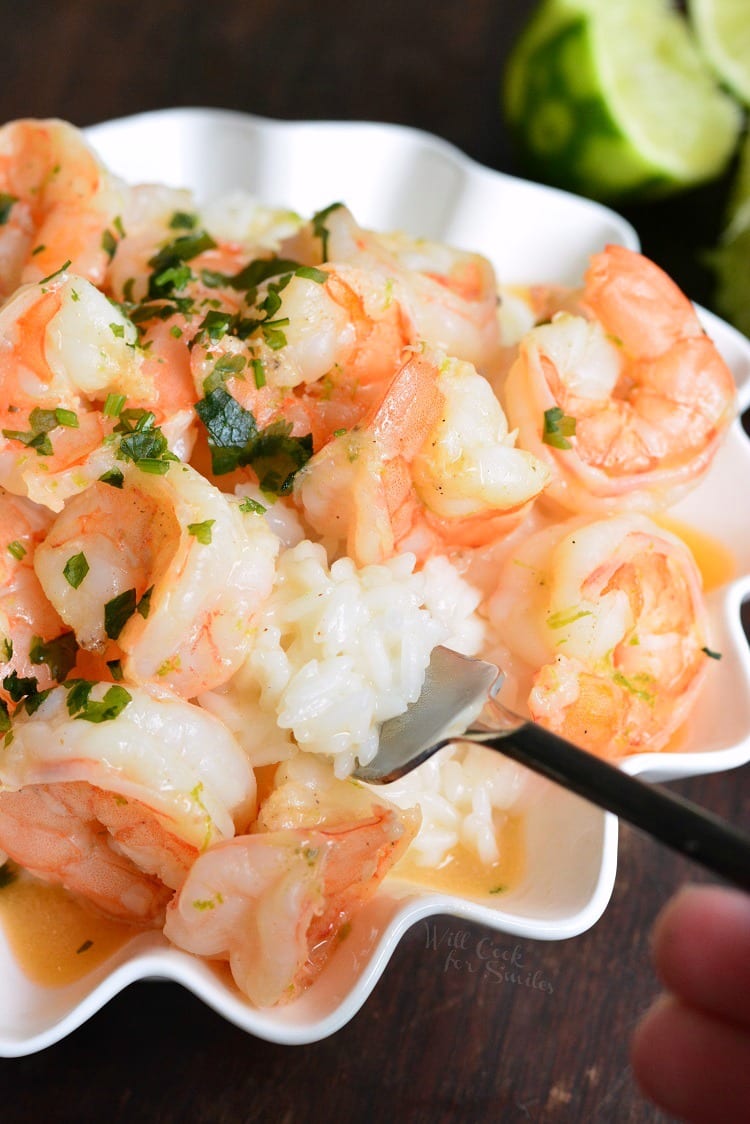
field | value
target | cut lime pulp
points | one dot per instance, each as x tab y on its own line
611	98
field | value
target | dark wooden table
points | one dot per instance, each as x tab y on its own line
434	1042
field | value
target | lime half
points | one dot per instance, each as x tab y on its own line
722	28
612	98
731	261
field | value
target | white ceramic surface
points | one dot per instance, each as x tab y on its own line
394	178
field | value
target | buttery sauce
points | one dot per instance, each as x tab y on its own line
463	874
714	560
57	941
53	938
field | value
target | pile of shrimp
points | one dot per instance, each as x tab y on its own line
172	393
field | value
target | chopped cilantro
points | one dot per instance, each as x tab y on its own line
202	531
41	423
118	330
6	649
259	373
249	504
226	367
174	277
115	667
711	654
118	612
113	477
6	204
109	243
59	654
235	441
62	269
113	405
312	274
17	549
558	427
82	706
67	418
19	687
144	605
84	947
172	257
24	690
183	220
142	442
216	324
320	230
75	569
273	334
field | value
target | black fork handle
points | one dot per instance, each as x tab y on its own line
680	824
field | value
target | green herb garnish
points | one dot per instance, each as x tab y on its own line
558	427
59	654
236	441
82	706
202	531
75	569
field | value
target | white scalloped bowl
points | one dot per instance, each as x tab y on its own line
393	178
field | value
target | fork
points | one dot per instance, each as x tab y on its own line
455	687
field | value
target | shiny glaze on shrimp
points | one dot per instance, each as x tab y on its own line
26	616
117	808
432	469
202	565
61	204
608	617
649	392
275	903
344	336
63	349
450	296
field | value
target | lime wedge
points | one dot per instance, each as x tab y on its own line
722	28
612	98
731	260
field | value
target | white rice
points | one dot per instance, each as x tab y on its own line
464	792
340	649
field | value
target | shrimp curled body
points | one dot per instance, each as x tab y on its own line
118	810
649	394
609	617
273	903
202	565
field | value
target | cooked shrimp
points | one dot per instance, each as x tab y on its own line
28	622
174	572
342	340
433	468
648	393
449	295
62	204
63	349
609	617
276	903
112	793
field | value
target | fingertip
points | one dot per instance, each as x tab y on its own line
701	949
691	1064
